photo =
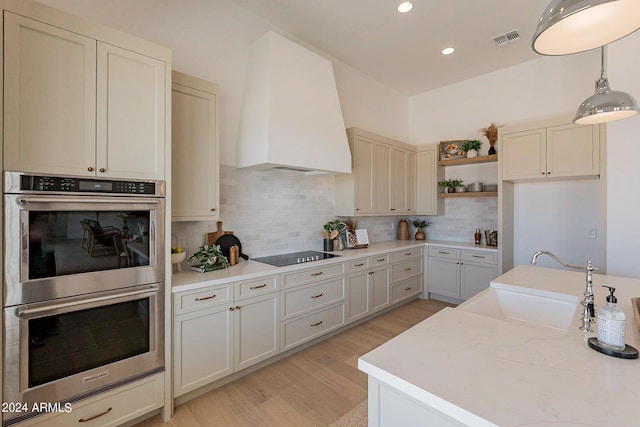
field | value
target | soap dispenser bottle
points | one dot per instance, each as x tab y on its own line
611	323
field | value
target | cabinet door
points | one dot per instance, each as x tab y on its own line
194	154
49	99
475	278
444	277
358	296
411	174
427	178
398	184
130	114
382	178
363	171
257	330
202	346
524	155
573	150
379	288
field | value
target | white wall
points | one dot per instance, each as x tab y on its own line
623	194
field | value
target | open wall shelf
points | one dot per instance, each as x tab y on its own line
468	161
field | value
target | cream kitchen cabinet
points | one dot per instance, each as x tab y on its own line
216	335
194	150
383	181
202	337
460	273
76	105
564	151
428	176
368	286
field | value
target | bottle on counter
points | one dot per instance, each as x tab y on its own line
477	236
611	323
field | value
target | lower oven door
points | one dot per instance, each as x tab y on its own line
72	348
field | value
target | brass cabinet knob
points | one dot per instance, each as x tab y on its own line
90	169
103	170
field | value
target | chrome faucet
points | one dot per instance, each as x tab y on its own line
588	311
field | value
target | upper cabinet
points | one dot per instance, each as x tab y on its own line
383	181
194	152
563	151
428	176
75	105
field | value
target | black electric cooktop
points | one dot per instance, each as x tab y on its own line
294	258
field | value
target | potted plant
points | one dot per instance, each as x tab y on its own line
471	147
450	185
208	258
330	231
420	224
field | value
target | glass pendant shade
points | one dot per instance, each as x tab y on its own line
605	105
572	26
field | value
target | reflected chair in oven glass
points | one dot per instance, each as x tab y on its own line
124	258
97	236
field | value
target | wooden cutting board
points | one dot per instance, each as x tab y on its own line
212	237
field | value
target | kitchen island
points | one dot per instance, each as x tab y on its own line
466	366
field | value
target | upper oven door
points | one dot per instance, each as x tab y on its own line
60	246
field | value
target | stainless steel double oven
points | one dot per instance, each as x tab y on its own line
83	287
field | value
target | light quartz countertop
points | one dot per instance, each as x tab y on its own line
246	270
485	371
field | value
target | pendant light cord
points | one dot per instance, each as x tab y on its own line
602	72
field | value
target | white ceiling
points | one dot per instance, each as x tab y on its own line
402	51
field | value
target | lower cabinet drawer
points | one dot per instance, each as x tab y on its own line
300	300
199	299
444	252
478	256
406	269
306	328
115	408
406	289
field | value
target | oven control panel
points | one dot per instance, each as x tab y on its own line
84	185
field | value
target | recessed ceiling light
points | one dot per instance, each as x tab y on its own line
405	7
448	50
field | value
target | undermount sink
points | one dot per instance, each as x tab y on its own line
523	305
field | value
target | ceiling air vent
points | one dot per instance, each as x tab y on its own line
508	38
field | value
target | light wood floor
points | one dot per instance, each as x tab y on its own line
313	387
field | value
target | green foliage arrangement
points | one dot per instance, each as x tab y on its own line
473	144
209	258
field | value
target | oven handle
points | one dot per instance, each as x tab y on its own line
35	199
26	311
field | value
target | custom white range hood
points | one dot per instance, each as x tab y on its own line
291	116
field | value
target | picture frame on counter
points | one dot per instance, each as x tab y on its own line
357	239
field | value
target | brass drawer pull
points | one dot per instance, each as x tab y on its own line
317	296
408	253
358	265
264	285
407	269
445	253
381	259
478	256
206	298
86	420
316	274
316	324
407	289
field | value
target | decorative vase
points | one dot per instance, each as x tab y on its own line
472	153
338	244
420	234
492	150
176	259
403	230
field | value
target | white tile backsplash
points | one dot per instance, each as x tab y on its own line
274	212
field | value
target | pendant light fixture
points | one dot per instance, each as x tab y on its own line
572	26
605	105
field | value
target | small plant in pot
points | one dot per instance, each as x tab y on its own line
208	258
471	147
450	185
420	224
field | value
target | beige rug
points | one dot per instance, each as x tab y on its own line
357	417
